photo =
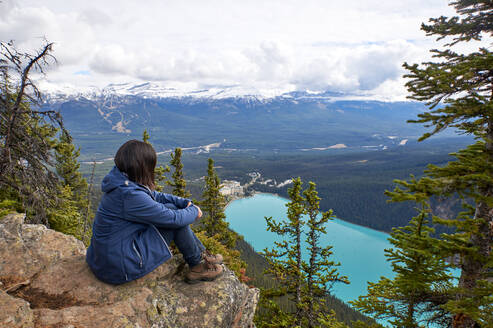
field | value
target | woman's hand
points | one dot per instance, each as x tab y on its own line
200	212
199	215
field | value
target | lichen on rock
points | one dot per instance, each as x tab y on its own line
45	282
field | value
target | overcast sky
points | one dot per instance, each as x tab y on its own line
351	45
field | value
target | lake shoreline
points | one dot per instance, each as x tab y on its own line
234	198
359	249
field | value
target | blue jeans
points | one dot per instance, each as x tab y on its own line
186	241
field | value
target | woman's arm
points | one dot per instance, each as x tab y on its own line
140	207
168	198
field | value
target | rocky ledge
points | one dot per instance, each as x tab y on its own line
45	282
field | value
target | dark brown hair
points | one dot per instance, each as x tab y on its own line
138	160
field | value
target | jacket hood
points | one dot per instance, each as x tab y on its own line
114	179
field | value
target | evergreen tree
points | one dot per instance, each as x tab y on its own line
213	228
179	184
10	201
67	168
305	284
74	190
63	215
159	171
146	136
321	272
285	263
458	90
213	203
417	293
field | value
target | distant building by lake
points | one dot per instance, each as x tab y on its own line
231	188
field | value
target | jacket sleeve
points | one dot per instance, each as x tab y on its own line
138	206
168	198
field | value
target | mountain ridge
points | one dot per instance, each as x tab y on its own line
295	121
156	90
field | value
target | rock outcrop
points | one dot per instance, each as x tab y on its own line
45	282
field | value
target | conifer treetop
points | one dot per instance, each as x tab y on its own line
160	171
458	87
213	203
179	183
306	284
475	21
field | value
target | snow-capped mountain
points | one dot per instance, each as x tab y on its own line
304	121
156	90
248	119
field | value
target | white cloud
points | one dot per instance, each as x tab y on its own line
375	64
325	72
93	16
7	6
113	59
315	44
270	61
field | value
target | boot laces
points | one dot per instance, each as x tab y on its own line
206	255
206	266
209	266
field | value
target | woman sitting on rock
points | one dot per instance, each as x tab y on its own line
134	224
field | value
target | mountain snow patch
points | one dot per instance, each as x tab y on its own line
403	142
286	182
120	128
336	146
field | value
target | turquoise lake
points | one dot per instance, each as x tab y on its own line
360	250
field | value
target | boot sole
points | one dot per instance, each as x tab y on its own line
196	281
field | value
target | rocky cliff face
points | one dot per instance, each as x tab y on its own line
45	282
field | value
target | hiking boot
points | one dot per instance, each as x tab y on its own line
212	258
203	271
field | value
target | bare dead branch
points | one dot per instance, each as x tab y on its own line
26	130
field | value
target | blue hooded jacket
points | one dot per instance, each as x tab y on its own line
126	243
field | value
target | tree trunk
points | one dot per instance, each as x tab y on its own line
299	313
472	268
311	296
